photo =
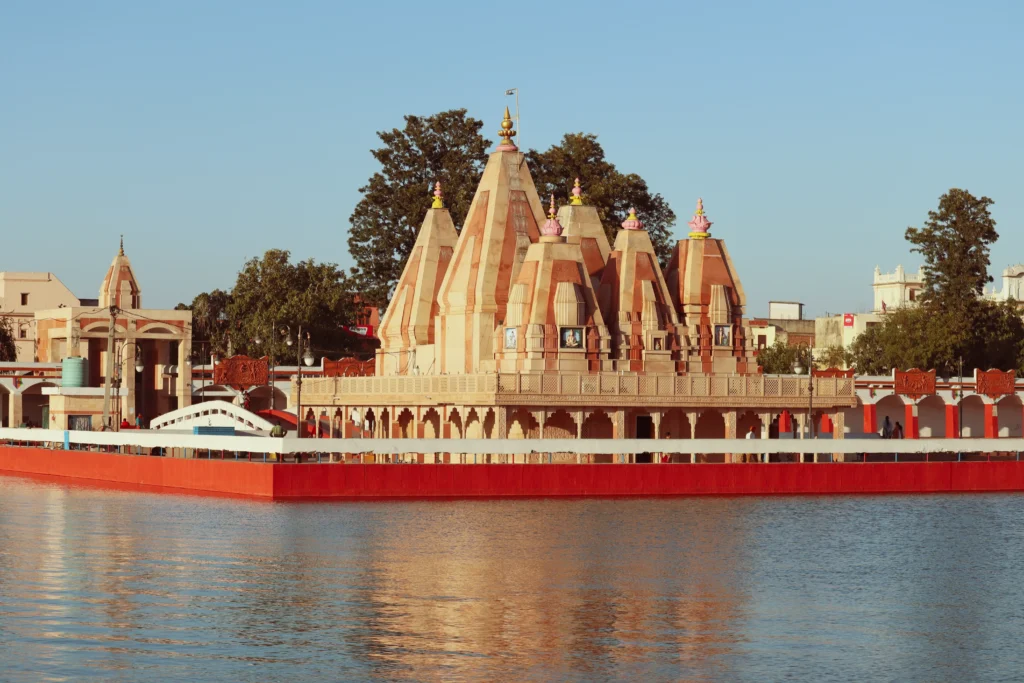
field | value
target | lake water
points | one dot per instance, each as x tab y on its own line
126	586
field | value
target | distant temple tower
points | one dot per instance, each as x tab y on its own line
636	300
709	298
120	288
502	222
407	328
553	322
583	227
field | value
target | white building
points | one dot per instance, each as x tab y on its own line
1013	285
897	289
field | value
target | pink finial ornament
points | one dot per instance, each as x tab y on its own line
438	197
632	222
552	228
699	225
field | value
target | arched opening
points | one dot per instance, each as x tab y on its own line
675	425
474	427
893	408
489	423
1011	415
972	417
710	425
432	424
455	424
522	425
748	422
597	425
267	397
35	407
560	425
931	418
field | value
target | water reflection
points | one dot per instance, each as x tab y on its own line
99	584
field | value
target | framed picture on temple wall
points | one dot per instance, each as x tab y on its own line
511	337
571	338
723	335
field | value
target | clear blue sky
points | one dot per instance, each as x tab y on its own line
210	132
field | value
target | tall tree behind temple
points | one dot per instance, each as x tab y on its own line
8	349
604	186
271	294
445	147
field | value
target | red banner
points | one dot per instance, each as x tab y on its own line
848	320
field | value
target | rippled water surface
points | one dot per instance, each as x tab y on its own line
117	585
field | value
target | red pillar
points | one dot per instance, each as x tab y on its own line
870	418
991	421
826	424
910	425
952	421
785	422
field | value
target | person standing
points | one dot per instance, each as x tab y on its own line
897	431
887	428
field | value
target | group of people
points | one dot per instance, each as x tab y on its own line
891	432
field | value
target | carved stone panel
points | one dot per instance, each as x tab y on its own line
241	372
915	383
996	383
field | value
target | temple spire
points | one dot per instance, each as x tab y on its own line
632	222
506	134
438	197
552	228
577	194
699	225
121	250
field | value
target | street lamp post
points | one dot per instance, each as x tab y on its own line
139	367
300	358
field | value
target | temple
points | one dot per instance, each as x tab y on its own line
525	325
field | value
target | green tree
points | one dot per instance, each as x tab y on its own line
580	155
955	243
834	357
8	349
445	147
270	299
271	294
782	359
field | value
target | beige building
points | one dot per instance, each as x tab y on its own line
145	351
21	296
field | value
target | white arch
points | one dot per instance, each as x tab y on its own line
211	413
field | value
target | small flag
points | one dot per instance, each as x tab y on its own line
510	91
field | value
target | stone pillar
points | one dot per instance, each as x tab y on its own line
910	419
839	433
501	422
14	411
129	351
692	418
577	416
619	426
991	421
183	384
730	417
801	420
952	421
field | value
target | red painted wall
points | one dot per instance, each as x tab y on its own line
216	476
461	481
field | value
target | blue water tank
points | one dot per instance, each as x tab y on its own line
74	372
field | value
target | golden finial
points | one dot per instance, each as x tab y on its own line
577	194
506	132
121	250
551	210
438	197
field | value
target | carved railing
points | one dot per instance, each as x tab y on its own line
605	384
